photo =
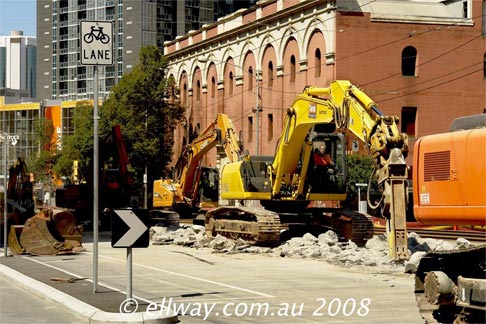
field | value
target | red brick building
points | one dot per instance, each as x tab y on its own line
424	61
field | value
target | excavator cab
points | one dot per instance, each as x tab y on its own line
327	171
208	187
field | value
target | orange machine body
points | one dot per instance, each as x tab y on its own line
449	177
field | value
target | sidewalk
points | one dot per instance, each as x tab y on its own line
76	294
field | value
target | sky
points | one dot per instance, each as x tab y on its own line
18	15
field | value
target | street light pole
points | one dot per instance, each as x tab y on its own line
257	113
5	218
145	195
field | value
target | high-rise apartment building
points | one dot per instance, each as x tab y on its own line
137	23
18	64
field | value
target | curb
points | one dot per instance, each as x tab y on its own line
81	309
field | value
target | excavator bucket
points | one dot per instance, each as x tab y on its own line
14	239
47	234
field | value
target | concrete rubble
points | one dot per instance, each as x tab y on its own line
326	247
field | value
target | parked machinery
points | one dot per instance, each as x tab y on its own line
287	182
38	233
449	178
194	188
115	187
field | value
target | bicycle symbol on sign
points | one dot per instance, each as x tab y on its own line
96	34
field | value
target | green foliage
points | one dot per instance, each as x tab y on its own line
144	104
360	168
78	146
41	164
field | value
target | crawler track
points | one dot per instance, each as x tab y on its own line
254	225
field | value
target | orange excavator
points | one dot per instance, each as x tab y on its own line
449	185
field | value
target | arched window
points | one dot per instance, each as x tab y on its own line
409	61
231	81
250	78
292	68
270	74
317	69
213	87
184	96
484	66
198	90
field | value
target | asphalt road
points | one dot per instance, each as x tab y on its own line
248	288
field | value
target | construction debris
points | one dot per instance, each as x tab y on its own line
326	246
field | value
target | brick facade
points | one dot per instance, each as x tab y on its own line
278	47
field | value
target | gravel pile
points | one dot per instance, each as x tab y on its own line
325	247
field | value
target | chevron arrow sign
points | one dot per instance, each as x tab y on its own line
129	229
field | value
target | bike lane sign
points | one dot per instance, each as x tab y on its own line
96	42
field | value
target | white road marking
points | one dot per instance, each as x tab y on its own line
155	269
195	278
89	280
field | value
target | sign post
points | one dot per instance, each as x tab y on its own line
96	49
14	139
362	206
129	230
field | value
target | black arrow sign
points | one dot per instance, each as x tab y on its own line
129	229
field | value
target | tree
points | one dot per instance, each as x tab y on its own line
360	168
145	104
78	146
41	165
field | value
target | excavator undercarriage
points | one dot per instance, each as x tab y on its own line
264	227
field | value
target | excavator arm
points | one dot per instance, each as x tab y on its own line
191	156
184	187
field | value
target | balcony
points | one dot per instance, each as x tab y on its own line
82	7
82	76
63	78
63	64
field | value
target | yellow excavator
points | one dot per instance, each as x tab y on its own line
194	188
287	183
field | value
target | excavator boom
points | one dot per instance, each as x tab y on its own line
183	191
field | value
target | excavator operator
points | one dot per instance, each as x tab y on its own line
323	169
321	157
